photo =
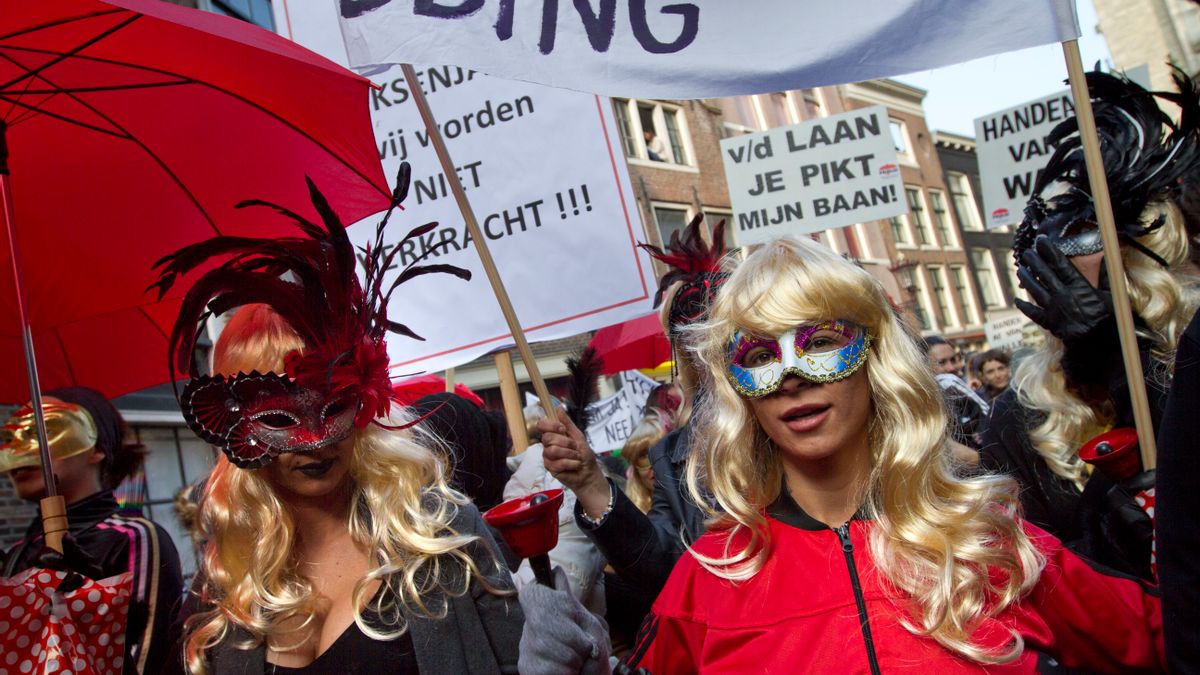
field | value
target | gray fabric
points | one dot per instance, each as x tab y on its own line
454	643
561	637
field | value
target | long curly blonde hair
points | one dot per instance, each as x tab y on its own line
636	452
401	511
936	536
1165	306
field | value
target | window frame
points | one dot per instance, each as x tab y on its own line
658	114
918	220
966	296
976	224
993	275
947	237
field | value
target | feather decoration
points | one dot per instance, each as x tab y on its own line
311	282
1145	154
688	256
584	373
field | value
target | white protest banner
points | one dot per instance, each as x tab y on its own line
550	190
823	173
1003	328
1012	149
614	418
697	49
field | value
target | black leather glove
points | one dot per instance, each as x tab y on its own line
79	563
1064	303
1118	532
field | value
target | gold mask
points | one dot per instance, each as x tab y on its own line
69	429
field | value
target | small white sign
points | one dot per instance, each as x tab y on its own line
1004	328
614	418
819	174
1012	148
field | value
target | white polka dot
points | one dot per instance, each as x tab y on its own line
5	602
23	642
10	658
31	598
76	605
36	649
3	626
35	625
44	577
42	657
26	666
1150	511
67	672
68	629
93	595
17	612
80	664
52	642
52	666
19	591
103	640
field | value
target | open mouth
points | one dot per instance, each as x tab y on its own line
316	469
806	417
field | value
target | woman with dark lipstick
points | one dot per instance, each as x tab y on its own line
334	544
842	539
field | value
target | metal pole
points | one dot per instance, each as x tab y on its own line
1112	255
485	256
53	508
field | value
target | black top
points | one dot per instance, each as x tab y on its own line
356	652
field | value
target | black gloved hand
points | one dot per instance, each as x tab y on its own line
1066	304
1118	532
80	564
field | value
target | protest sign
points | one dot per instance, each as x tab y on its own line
823	173
1012	149
546	183
615	417
696	49
1003	328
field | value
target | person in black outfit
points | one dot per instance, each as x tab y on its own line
1075	388
477	442
101	541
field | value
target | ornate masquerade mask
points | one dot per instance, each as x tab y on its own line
69	430
818	352
341	381
1145	153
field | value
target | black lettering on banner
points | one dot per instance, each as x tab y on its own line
599	25
646	38
549	26
353	8
440	11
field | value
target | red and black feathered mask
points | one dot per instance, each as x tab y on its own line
340	382
698	265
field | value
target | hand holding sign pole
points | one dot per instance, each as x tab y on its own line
485	256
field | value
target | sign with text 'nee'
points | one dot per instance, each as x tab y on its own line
1012	149
547	179
1004	328
614	418
828	172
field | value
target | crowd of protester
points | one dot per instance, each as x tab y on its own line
818	488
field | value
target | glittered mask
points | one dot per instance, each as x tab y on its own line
819	352
256	417
69	430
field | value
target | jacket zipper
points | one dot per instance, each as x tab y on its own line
843	534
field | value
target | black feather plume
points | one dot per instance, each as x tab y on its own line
584	373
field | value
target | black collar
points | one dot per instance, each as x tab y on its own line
787	511
84	513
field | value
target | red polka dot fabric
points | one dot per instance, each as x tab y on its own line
43	631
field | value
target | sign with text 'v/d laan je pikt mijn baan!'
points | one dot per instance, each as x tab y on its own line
823	173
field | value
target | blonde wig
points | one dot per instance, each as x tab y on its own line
936	536
636	452
401	511
1165	305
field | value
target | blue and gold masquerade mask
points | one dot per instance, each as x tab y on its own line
819	352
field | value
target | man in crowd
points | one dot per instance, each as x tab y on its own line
966	407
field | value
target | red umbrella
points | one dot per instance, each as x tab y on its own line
637	343
133	128
413	389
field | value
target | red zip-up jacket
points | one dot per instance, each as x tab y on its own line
819	605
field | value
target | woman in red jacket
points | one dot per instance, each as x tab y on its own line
843	541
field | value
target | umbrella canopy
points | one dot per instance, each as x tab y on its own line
411	390
637	343
134	127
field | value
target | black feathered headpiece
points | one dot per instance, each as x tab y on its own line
341	380
1145	154
695	263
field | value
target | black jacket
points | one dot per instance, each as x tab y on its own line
643	547
115	540
1178	506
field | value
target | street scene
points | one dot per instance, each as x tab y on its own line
458	336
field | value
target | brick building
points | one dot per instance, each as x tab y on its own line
1150	33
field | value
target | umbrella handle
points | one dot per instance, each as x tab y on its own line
54	521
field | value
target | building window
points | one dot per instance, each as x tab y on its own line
941	219
812	104
712	216
780	110
670	219
985	276
1010	266
738	114
176	458
937	283
916	206
899	229
652	131
899	137
966	302
257	12
911	278
964	202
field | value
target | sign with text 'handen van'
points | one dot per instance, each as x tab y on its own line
823	173
1012	148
